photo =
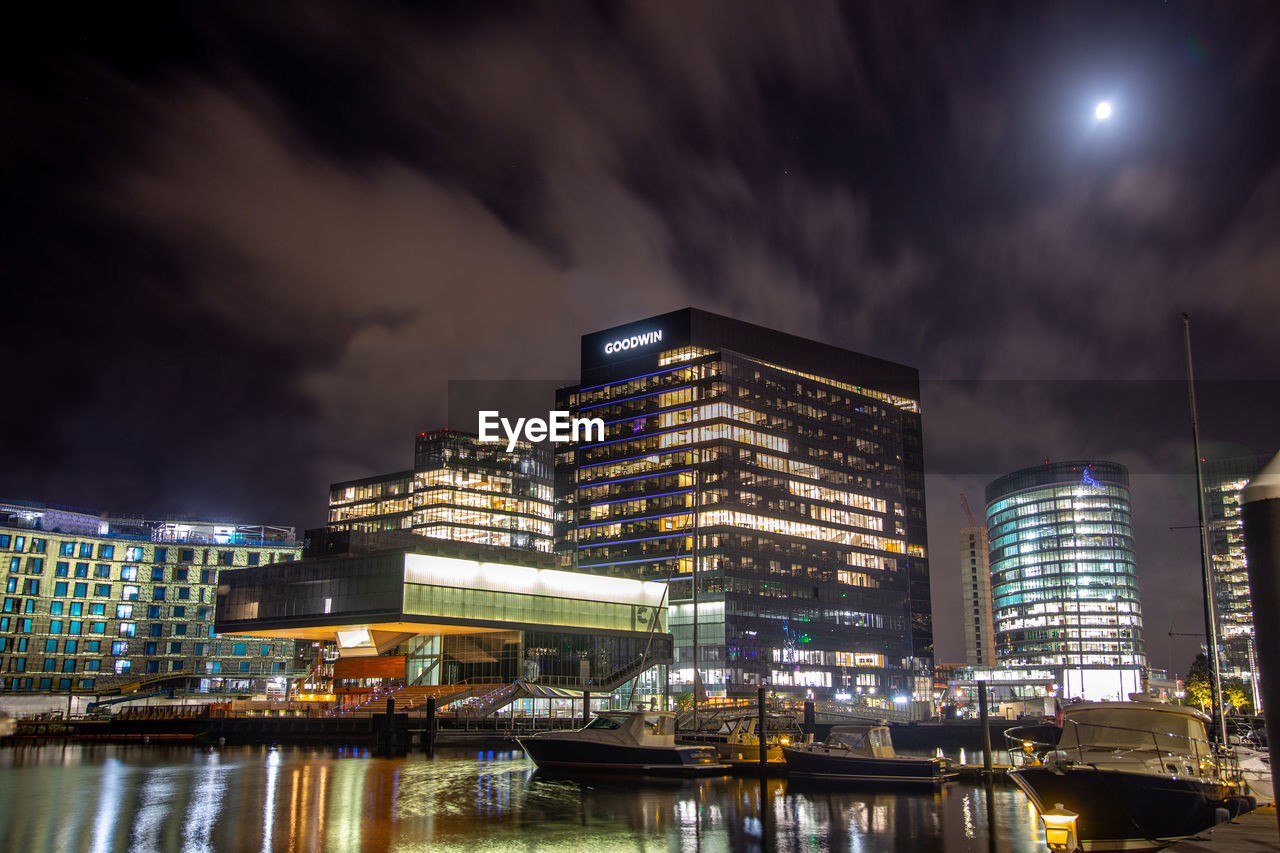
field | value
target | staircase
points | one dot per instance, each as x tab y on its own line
619	676
488	703
409	699
414	698
365	705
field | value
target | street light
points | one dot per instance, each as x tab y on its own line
1060	829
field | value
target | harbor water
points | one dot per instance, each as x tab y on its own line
179	798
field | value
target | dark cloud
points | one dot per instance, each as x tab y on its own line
247	248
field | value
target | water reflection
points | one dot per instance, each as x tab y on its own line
142	798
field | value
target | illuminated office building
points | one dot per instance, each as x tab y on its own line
96	602
786	474
459	489
1223	480
1064	583
975	598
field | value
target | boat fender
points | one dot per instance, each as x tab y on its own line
1056	762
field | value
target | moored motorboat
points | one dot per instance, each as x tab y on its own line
1138	774
622	742
741	744
1249	747
1255	770
863	754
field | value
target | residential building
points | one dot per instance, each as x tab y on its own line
460	489
785	475
975	598
1064	584
94	601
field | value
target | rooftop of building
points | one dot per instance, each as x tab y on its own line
693	326
325	542
1083	471
76	521
1225	468
480	454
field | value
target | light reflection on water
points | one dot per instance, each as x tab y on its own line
144	798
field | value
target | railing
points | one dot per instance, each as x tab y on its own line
838	710
621	675
510	727
1211	760
488	703
351	705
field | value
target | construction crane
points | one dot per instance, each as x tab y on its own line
964	502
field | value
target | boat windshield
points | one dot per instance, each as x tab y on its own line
657	724
607	721
848	740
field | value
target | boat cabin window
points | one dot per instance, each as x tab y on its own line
606	722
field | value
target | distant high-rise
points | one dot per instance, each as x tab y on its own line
785	474
1223	480
459	488
975	599
1064	583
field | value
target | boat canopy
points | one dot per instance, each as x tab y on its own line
1141	726
873	741
658	723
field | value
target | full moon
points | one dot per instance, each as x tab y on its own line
1102	111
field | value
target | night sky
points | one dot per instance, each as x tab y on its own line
246	246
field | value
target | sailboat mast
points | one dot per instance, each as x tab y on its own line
1210	616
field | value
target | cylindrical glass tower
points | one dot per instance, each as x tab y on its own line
1064	585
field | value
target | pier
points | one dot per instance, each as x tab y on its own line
1254	832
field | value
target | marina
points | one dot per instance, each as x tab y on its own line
297	798
864	754
630	742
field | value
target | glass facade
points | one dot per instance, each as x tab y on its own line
457	620
1223	480
459	489
131	601
1064	583
785	474
559	658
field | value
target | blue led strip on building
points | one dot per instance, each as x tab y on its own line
650	414
644	560
628	479
646	435
634	498
636	397
628	541
684	511
632	378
